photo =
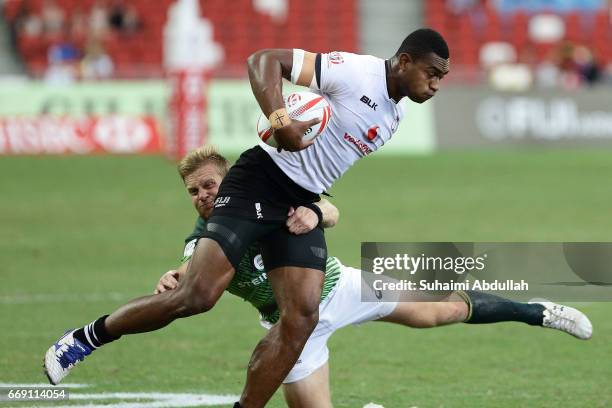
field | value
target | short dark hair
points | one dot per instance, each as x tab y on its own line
423	41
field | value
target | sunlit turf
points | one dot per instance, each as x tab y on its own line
79	236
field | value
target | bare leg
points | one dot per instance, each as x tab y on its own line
310	392
297	292
429	314
208	275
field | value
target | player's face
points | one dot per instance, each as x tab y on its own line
203	186
420	78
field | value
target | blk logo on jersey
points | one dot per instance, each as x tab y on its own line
369	102
221	201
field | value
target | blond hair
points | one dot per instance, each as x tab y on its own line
201	156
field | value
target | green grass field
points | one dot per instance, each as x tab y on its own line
81	235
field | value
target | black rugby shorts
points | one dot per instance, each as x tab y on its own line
278	246
252	206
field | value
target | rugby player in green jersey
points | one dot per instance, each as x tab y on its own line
307	384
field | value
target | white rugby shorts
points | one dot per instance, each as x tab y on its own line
342	307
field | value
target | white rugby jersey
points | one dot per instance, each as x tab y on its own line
363	119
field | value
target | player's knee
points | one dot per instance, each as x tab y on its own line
299	324
458	312
446	313
201	304
304	313
192	302
424	322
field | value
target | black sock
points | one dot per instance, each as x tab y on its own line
485	308
94	334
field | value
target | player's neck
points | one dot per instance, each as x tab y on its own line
392	88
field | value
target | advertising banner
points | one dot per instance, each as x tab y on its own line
119	134
85	118
28	112
85	98
482	117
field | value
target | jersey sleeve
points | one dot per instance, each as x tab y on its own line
333	72
192	239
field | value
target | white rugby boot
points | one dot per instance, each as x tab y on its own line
63	356
566	319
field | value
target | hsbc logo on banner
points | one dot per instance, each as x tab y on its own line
44	135
62	135
121	134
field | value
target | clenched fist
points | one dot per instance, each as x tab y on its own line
168	281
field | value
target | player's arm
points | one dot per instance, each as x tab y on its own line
330	212
267	68
305	219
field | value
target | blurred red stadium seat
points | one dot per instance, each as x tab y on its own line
240	30
466	35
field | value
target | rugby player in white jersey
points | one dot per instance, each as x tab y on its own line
307	384
256	194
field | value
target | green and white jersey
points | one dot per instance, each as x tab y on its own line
251	281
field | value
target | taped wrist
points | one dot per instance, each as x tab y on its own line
279	118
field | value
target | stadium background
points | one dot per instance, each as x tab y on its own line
515	147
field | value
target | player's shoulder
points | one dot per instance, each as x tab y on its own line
200	225
366	63
345	70
198	230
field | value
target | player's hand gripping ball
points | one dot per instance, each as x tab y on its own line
302	106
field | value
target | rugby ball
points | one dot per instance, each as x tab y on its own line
300	106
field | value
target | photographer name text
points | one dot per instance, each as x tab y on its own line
433	285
